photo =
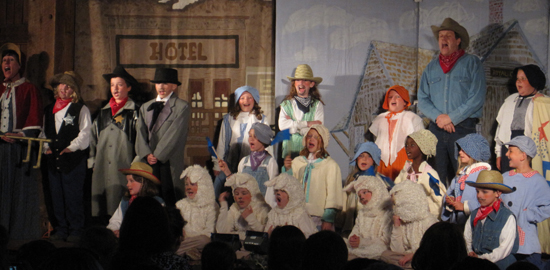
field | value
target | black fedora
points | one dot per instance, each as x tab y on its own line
166	75
120	72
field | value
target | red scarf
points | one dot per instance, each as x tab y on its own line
483	212
60	104
115	107
132	199
447	62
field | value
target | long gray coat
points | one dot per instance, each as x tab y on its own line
167	139
111	149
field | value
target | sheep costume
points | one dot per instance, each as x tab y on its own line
231	221
373	223
200	212
411	206
295	212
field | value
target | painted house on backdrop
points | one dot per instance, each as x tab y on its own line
501	48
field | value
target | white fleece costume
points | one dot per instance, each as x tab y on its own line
295	212
412	208
231	221
373	223
200	212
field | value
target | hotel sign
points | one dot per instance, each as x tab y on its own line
149	51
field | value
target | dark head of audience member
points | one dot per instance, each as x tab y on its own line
3	248
472	263
71	259
359	264
218	256
34	253
444	239
144	232
324	250
176	225
102	242
380	265
285	248
523	265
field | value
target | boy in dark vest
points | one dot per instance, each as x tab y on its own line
490	231
67	123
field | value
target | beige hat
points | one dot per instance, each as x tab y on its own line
304	72
70	78
13	47
426	141
141	169
450	24
491	180
323	132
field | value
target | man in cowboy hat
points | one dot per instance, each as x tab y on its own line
112	144
452	92
67	123
300	109
162	133
20	115
492	220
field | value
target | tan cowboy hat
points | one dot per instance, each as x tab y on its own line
13	47
141	169
490	180
450	24
304	72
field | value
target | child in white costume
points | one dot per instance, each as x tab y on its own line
515	117
365	162
411	218
391	128
199	209
248	212
291	206
372	231
420	146
320	176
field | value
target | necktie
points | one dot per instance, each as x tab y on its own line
156	107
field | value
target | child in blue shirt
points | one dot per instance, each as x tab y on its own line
530	202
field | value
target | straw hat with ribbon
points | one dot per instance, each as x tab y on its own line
141	169
490	180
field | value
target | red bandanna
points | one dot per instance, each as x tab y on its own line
132	199
447	62
115	107
483	212
60	104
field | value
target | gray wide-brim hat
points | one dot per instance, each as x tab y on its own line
452	25
70	78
